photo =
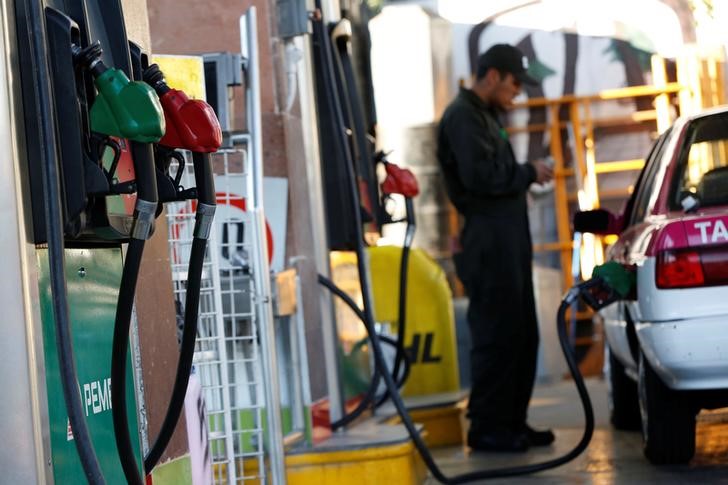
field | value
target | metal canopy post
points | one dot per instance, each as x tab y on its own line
261	270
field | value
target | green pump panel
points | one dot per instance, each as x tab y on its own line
93	277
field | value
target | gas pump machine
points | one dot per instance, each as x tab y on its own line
98	145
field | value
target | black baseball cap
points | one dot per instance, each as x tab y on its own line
505	58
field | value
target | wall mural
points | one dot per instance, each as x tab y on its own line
566	63
635	63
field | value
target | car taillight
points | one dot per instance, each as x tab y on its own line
679	269
689	268
715	265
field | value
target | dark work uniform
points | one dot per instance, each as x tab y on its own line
488	186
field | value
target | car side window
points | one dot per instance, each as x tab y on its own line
646	181
703	164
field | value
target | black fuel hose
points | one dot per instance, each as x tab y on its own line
368	398
382	371
146	205
56	261
374	385
401	356
346	84
402	312
351	93
322	42
205	186
328	77
119	350
498	472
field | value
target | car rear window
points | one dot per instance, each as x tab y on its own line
703	165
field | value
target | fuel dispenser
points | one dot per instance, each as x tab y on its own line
399	181
90	123
340	106
81	118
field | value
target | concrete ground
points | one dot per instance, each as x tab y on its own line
613	457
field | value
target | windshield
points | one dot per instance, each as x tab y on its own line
703	166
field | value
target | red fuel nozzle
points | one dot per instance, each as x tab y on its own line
399	181
191	123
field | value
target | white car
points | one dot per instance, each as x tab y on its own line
668	344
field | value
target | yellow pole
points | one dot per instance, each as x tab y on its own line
662	102
720	81
561	201
706	82
578	149
592	244
686	96
590	158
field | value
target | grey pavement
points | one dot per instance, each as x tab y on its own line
613	457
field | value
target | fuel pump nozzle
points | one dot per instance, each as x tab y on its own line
191	125
403	182
399	181
130	110
610	282
123	108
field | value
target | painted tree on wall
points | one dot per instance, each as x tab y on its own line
636	63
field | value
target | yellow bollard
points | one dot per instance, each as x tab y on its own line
430	322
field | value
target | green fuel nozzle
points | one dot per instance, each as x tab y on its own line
616	276
123	108
610	282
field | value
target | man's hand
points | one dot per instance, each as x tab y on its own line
544	172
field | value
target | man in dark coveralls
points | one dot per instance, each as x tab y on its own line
488	187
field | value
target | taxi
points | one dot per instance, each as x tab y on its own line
667	345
